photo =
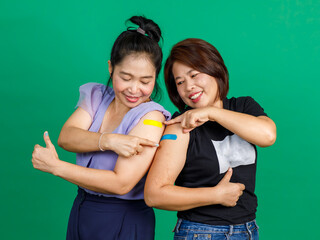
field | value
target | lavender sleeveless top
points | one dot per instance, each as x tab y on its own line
95	99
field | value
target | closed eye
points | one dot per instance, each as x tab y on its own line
194	75
179	82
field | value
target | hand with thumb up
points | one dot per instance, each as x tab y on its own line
229	193
45	158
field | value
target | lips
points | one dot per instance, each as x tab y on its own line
195	97
132	99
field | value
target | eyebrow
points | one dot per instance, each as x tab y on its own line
177	78
129	74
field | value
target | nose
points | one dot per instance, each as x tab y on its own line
189	84
133	88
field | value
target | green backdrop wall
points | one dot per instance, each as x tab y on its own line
49	48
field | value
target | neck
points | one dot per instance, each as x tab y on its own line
217	104
117	108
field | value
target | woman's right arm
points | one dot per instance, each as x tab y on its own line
160	191
75	137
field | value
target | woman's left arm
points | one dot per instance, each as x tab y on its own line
126	174
259	130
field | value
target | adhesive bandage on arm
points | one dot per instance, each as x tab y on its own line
152	122
169	137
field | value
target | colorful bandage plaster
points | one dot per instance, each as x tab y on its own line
152	122
169	137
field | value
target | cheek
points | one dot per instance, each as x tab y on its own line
117	84
147	89
215	88
180	91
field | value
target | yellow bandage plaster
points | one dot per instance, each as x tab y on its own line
152	122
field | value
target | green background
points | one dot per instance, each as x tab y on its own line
49	48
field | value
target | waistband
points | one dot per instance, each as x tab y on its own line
85	196
229	229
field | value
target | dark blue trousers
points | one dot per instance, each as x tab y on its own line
103	218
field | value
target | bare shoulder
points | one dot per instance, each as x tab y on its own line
150	126
154	115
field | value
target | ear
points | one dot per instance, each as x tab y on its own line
110	67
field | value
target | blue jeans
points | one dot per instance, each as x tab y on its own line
186	230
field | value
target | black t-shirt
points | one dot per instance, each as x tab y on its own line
211	151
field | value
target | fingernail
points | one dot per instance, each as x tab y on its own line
46	133
157	145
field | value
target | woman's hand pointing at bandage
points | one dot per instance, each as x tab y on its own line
191	119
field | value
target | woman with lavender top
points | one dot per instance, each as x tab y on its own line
113	141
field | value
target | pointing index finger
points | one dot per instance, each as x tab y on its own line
146	142
174	120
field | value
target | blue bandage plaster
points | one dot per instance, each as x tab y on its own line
169	137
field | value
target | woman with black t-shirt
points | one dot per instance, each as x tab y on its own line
208	154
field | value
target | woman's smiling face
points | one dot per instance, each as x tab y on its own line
133	80
196	89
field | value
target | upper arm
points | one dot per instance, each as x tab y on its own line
267	119
169	159
80	118
131	170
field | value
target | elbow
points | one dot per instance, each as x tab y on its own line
148	199
122	189
61	142
151	198
62	139
270	138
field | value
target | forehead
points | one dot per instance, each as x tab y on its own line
179	68
136	64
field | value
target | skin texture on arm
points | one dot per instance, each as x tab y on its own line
259	130
126	174
75	137
160	191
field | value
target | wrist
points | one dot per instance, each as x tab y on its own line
216	195
56	168
103	143
211	113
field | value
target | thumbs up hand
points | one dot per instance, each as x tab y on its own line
45	158
229	192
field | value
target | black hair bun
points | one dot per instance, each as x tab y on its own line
150	27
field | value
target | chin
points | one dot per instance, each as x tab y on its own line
199	105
